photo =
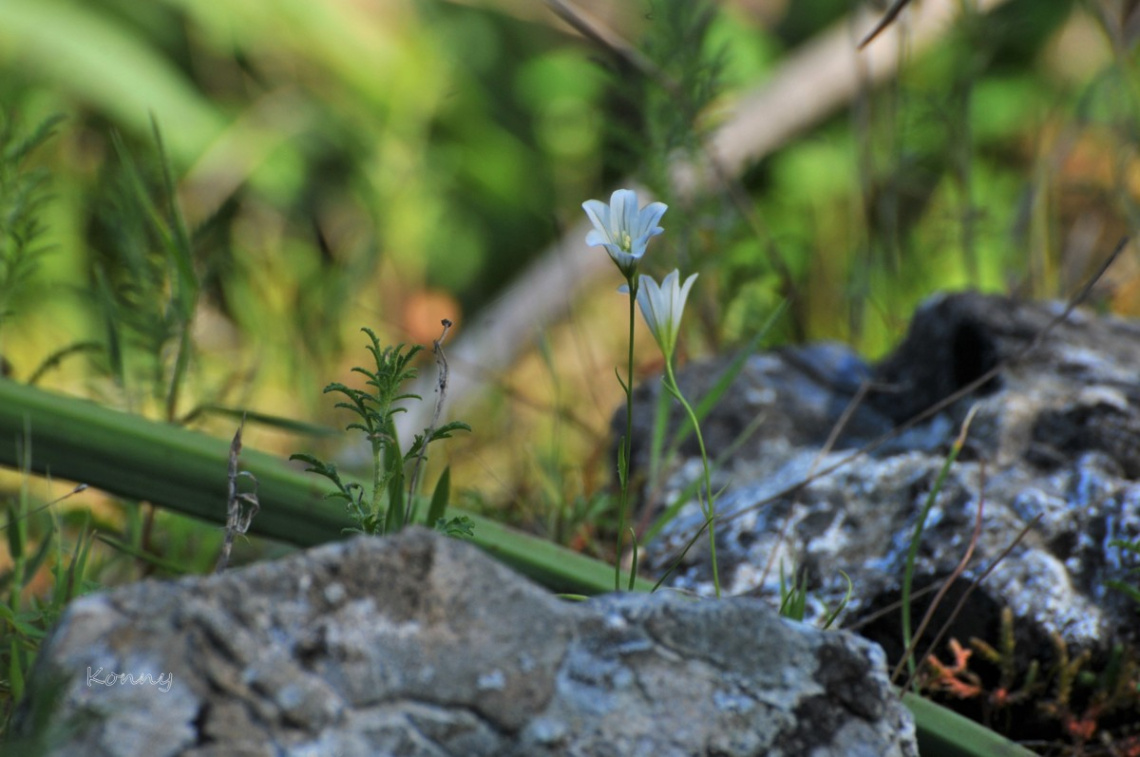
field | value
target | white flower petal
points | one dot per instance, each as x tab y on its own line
622	228
599	214
662	307
648	218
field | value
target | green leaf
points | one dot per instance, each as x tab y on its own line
944	733
54	359
15	531
320	467
439	498
395	520
460	527
105	299
15	672
1129	591
22	623
37	559
42	133
445	431
107	64
184	471
621	381
77	567
270	421
140	554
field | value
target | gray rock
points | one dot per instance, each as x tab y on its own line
422	645
1054	446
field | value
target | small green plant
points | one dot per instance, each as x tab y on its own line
146	281
1084	703
794	598
25	621
22	195
1127	548
624	230
391	503
908	634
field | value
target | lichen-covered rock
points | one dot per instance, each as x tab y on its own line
422	645
1054	447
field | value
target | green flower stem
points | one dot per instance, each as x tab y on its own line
625	463
709	509
377	474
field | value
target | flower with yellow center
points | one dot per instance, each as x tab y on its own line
623	228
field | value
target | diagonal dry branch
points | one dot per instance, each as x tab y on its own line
817	80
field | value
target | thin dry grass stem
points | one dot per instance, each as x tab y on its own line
888	17
947	583
607	38
970	590
947	401
242	506
772	555
78	488
890	608
844	419
441	386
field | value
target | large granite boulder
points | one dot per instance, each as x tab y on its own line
1054	448
421	645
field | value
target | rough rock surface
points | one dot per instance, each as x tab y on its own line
1054	447
421	645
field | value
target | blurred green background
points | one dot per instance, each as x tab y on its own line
390	163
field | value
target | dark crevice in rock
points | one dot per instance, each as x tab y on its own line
201	727
973	355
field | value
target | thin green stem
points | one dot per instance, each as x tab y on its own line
181	361
916	540
708	506
377	478
625	463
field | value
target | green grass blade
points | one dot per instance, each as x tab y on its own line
140	554
278	422
439	498
109	65
945	733
185	472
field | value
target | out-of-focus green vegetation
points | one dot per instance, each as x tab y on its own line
388	163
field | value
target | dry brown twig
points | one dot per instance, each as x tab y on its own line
442	372
959	569
241	506
891	14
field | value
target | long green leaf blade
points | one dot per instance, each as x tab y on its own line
185	471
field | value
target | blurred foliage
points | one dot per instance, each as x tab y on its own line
236	189
389	163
